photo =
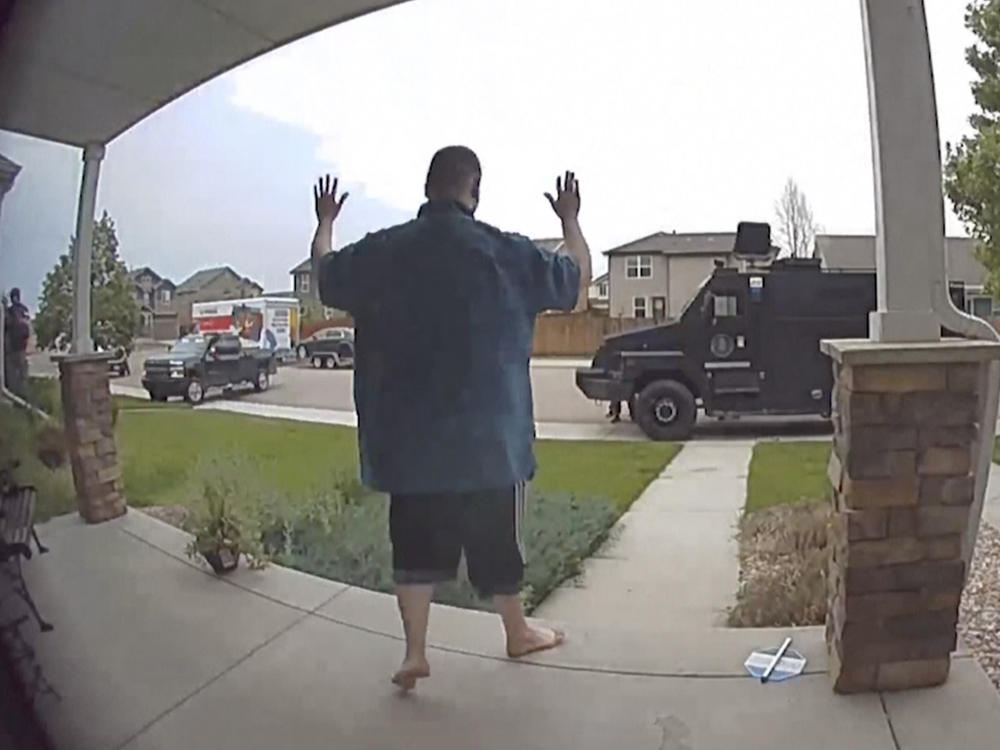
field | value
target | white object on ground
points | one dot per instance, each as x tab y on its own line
791	664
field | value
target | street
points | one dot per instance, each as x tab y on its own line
556	397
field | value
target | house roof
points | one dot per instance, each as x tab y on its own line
856	252
673	243
84	72
135	273
602	278
302	267
202	278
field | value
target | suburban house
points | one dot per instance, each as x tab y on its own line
598	294
156	296
209	285
655	276
306	291
857	253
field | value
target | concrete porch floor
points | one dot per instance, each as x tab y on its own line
150	651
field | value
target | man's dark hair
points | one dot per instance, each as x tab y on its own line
451	170
15	295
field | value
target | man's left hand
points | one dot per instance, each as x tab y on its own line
325	197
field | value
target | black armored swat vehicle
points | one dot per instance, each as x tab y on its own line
746	344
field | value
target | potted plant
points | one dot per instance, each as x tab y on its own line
217	533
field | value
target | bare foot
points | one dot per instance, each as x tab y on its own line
411	671
532	640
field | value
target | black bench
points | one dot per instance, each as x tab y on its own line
17	530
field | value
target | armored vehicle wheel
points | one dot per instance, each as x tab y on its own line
665	410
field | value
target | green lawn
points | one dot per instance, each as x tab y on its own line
787	472
293	481
159	450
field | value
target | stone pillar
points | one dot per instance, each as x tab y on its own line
86	399
908	429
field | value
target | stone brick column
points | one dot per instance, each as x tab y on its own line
907	433
86	399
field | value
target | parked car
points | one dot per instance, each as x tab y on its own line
328	348
197	364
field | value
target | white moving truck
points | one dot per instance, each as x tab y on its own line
268	322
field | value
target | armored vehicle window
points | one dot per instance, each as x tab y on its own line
725	306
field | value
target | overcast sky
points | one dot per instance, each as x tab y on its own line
676	116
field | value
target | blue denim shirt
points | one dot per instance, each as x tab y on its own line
444	309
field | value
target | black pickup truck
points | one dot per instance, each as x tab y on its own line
197	364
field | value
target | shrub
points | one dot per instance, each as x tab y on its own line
345	537
19	440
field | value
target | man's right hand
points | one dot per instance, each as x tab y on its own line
325	197
566	202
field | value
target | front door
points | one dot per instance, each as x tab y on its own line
730	355
659	309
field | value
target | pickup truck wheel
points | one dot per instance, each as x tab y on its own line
263	382
194	393
317	362
665	410
157	396
302	352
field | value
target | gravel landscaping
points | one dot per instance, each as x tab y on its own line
979	621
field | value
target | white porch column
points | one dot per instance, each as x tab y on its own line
92	156
909	203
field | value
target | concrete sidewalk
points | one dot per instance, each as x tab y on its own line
150	652
672	562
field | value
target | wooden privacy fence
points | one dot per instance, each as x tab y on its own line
578	334
556	334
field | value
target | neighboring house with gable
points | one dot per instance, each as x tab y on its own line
306	291
599	292
846	252
655	276
210	285
155	295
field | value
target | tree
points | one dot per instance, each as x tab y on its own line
114	311
972	167
796	226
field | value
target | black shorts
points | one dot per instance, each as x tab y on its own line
430	532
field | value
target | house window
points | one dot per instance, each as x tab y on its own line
164	295
147	320
638	307
638	267
980	305
602	289
304	283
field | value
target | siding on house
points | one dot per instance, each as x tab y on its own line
680	262
624	290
